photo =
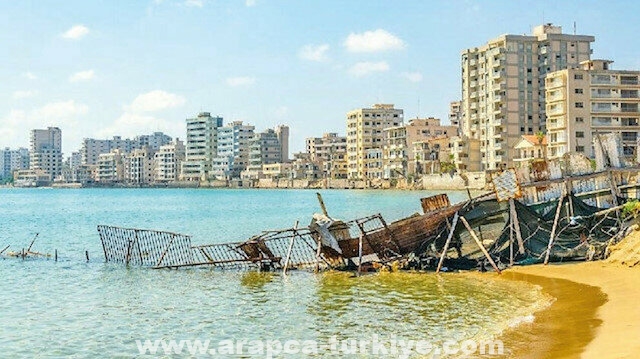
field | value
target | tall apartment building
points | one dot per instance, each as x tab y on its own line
233	150
265	148
168	160
110	167
92	148
282	132
139	166
13	160
503	88
455	113
201	147
364	132
591	99
46	151
398	150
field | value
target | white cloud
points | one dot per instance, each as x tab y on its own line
23	94
81	76
194	3
250	3
30	76
365	68
61	110
412	76
155	101
240	81
373	41
314	52
76	32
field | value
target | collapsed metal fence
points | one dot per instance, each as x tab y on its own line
297	247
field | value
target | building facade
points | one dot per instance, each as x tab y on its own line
46	151
455	113
139	166
503	87
364	133
168	160
201	147
589	100
111	168
11	161
330	153
233	150
92	148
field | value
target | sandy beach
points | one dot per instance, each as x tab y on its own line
595	313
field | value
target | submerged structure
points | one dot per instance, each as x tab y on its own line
552	211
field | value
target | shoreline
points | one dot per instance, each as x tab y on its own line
595	314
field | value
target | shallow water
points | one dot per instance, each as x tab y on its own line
74	308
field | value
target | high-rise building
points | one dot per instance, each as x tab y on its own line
139	166
589	100
233	150
46	151
152	141
282	132
455	113
13	160
330	153
503	88
168	160
110	167
201	146
264	148
92	148
364	132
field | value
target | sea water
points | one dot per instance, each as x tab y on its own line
91	309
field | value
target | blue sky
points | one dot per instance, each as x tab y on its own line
105	68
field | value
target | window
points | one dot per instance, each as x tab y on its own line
579	119
579	105
579	134
579	148
579	91
577	76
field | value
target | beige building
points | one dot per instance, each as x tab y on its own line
530	148
364	133
427	154
168	160
465	153
139	166
591	99
46	151
110	167
455	113
330	152
398	151
503	87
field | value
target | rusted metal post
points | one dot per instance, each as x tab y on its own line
286	261
55	255
360	255
446	244
318	254
479	243
5	248
516	224
553	230
511	242
322	206
30	245
86	254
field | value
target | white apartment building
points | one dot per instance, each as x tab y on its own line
266	148
364	132
233	150
110	168
13	160
201	146
46	151
589	100
139	166
92	148
168	160
503	87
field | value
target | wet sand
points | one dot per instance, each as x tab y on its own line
596	314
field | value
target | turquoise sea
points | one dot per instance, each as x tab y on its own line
74	308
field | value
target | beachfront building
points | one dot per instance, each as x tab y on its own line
266	148
503	87
530	148
589	100
429	153
11	161
201	146
91	148
233	150
110	167
153	141
364	133
139	166
330	153
398	151
168	160
465	153
46	151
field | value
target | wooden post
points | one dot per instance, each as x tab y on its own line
516	225
319	249
446	244
479	243
30	245
86	254
322	206
553	230
360	254
286	261
511	242
55	255
22	254
5	248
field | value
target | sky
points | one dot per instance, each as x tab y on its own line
104	68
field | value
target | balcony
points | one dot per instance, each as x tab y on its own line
474	94
497	98
496	74
473	106
473	73
473	84
557	110
556	124
498	63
